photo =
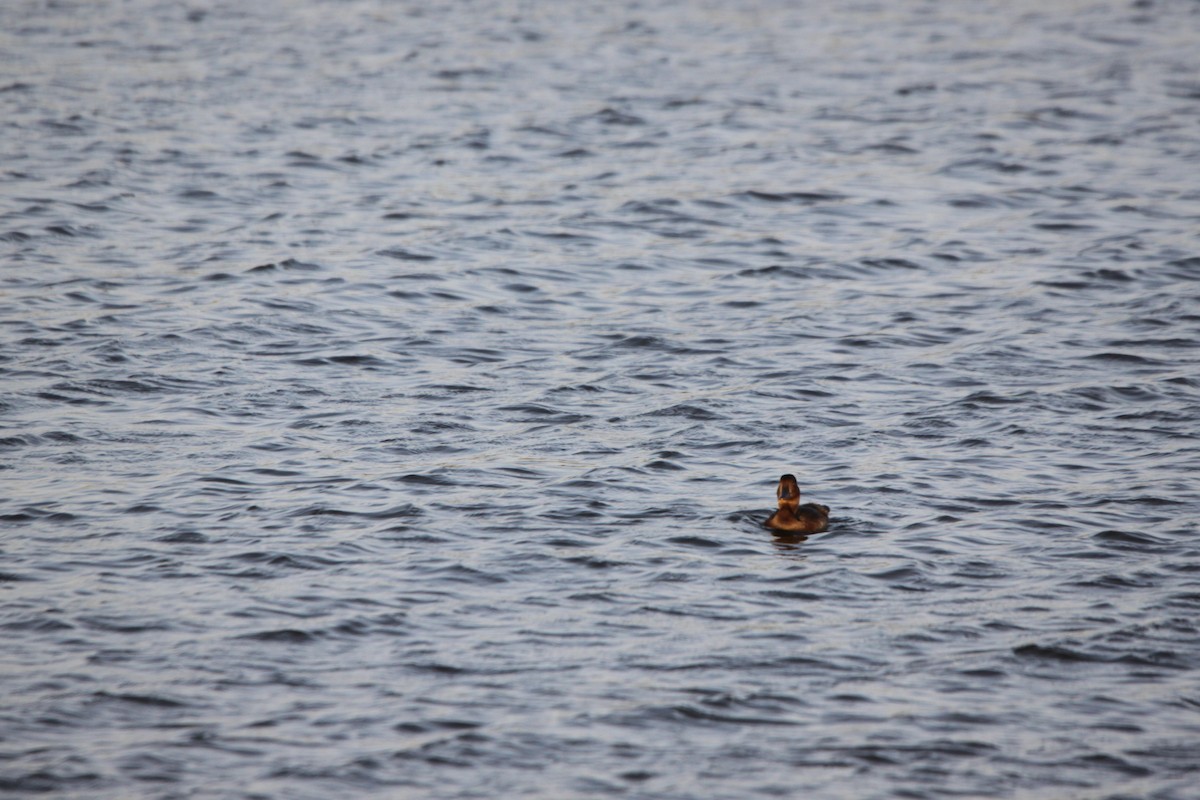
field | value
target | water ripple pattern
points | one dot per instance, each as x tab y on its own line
392	394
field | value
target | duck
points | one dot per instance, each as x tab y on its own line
793	517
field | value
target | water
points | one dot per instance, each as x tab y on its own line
392	394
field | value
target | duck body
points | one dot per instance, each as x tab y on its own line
791	517
808	518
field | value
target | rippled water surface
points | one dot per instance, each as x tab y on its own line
393	393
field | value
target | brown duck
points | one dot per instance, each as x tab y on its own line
793	517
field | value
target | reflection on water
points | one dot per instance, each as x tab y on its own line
394	396
790	544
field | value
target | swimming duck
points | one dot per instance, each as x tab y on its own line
793	517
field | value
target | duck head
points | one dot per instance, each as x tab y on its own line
788	492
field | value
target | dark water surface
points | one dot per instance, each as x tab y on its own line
392	393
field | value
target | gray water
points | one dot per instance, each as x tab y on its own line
393	393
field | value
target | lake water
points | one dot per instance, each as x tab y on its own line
393	393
